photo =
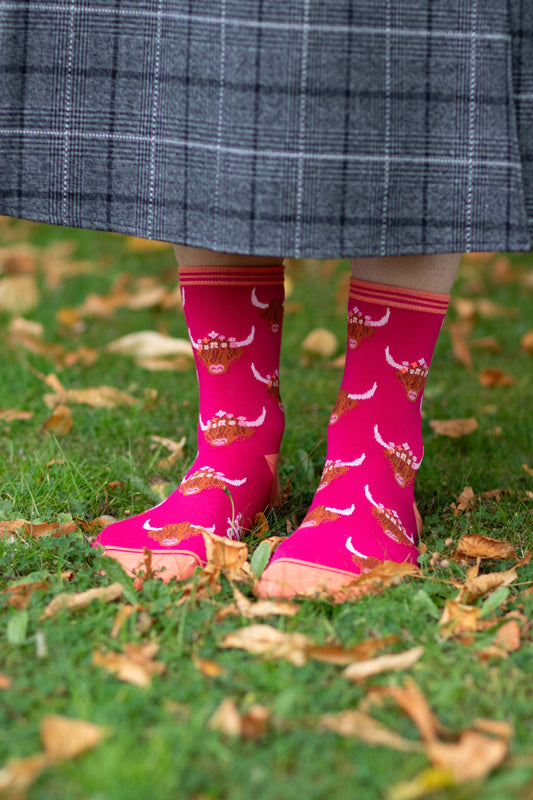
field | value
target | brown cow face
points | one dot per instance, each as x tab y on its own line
344	403
413	379
391	525
403	463
173	534
224	429
358	328
205	478
273	314
217	354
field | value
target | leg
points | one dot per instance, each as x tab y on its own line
234	317
363	512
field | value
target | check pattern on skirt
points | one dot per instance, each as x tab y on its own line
303	128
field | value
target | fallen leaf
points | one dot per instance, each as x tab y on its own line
488	343
64	738
356	724
320	342
226	718
494	376
5	681
458	619
78	600
18	775
124	612
490	310
54	529
413	703
176	450
480	585
252	610
477	546
11	414
96	396
176	364
150	344
461	351
266	640
497	727
453	427
528	469
527	342
8	526
428	781
465	500
386	663
224	553
19	593
336	654
18	293
60	422
249	726
207	667
507	640
135	665
471	758
386	574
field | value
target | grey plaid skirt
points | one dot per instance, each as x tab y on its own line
321	128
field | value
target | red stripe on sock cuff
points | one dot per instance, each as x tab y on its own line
399	297
236	276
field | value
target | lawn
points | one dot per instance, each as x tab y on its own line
176	708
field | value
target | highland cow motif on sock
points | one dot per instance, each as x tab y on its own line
240	422
412	375
272	311
347	402
387	327
217	353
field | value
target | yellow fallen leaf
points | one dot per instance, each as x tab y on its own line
176	450
96	396
465	500
11	414
175	364
64	738
482	584
77	600
528	469
60	422
224	553
8	526
461	351
426	782
356	724
5	681
261	608
17	775
18	293
412	701
320	342
453	427
386	663
19	594
477	546
527	342
250	725
459	618
54	529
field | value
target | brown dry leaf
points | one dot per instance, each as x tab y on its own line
527	342
18	293
413	703
150	344
496	727
206	584
260	527
224	553
136	665
480	585
361	726
490	310
386	663
123	613
320	342
466	500
458	332
453	427
54	529
19	594
471	758
78	600
176	364
60	421
96	396
64	738
226	718
261	608
494	376
8	526
458	619
5	681
507	640
176	450
207	667
477	546
528	469
11	414
386	574
465	308
335	654
266	640
18	775
488	343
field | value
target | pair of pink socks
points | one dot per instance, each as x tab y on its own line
363	512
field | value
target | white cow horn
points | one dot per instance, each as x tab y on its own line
364	396
391	361
247	341
379	440
203	528
351	548
196	345
355	463
371	499
380	322
255	301
345	512
259	421
202	425
257	375
233	483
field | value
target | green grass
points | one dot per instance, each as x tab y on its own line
159	743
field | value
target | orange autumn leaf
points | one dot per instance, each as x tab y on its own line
251	725
11	414
224	553
453	427
458	619
465	500
361	670
527	342
494	376
65	738
320	342
208	667
458	332
74	601
481	585
5	681
19	594
135	665
260	608
471	758
356	724
54	529
60	421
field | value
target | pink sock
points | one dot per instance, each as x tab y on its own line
363	512
234	316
